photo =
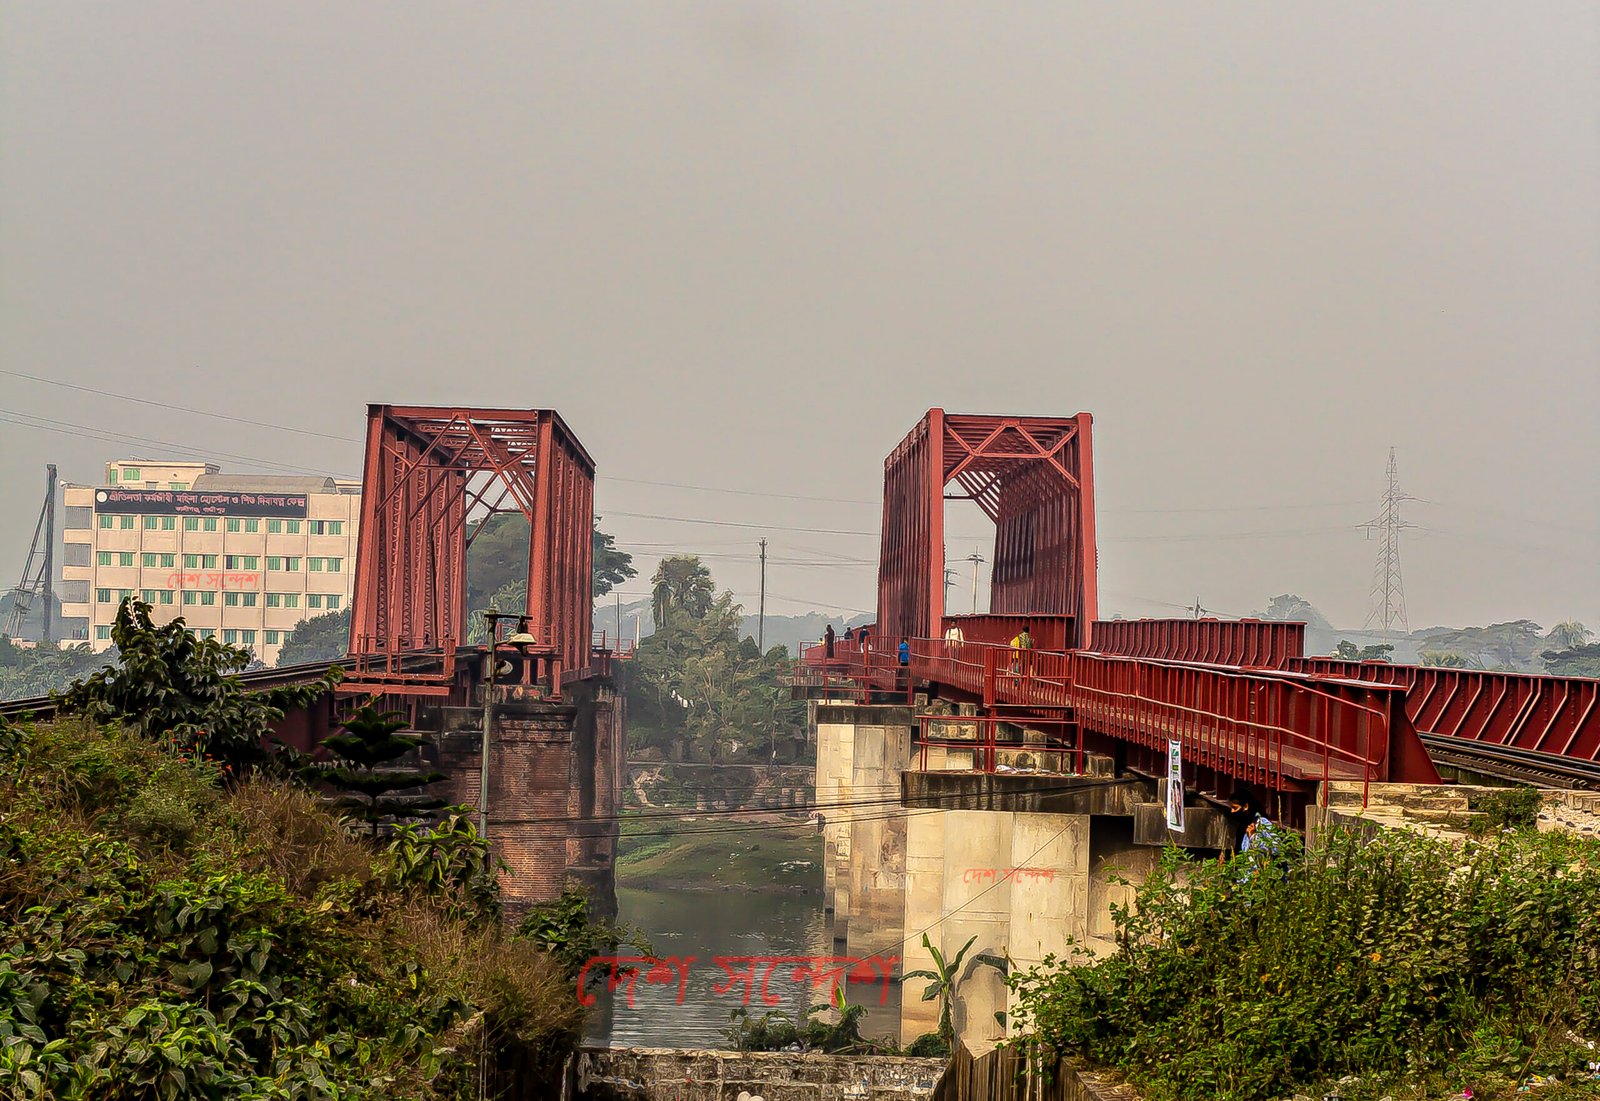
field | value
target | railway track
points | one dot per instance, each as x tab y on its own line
1524	766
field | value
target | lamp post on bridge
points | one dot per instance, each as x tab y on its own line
520	639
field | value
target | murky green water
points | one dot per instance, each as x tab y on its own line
705	924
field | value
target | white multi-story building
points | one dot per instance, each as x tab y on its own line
242	558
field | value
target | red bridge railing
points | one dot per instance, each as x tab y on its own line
1558	715
1265	727
1256	643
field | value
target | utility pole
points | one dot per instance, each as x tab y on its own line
1197	609
976	559
1388	590
618	595
761	609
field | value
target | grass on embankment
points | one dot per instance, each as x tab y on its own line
169	934
711	853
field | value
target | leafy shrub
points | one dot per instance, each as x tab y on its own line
1515	808
1246	983
165	938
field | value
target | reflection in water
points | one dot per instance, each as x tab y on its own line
705	924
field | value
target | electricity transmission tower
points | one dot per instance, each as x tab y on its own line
38	571
1388	591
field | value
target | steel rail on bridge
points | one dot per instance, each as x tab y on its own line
1265	727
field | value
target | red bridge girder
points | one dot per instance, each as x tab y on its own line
427	470
1032	476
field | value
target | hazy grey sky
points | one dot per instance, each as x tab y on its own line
745	244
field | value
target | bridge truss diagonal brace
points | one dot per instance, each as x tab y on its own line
1033	477
426	469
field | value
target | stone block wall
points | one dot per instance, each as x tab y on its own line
659	1074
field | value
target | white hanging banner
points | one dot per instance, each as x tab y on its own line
1175	786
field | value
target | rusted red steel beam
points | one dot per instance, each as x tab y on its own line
1559	715
1269	727
1252	643
1033	477
425	467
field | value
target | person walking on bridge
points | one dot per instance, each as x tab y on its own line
828	638
1021	643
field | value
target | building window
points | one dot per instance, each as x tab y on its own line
191	523
169	523
204	632
152	523
248	599
252	524
333	602
208	523
131	474
208	598
102	596
274	562
111	476
314	565
327	527
230	561
252	561
292	527
274	527
102	632
247	636
106	520
235	524
231	599
335	565
166	596
125	523
148	560
274	600
168	561
314	600
230	636
190	597
291	565
178	486
124	558
273	637
208	561
191	561
291	600
102	558
124	594
147	595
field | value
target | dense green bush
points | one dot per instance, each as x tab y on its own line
165	936
1401	960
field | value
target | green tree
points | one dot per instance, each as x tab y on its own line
498	556
39	670
1579	661
324	637
1568	634
1349	651
1445	660
1291	607
946	978
170	686
681	585
364	772
611	566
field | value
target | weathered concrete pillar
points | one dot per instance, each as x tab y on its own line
835	727
1017	883
882	750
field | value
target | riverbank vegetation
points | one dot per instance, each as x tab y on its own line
184	917
1401	967
697	852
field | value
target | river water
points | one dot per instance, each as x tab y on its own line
705	924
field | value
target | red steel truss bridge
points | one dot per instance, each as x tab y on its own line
1250	709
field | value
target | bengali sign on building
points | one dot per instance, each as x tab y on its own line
188	502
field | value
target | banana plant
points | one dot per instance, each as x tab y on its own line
944	979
